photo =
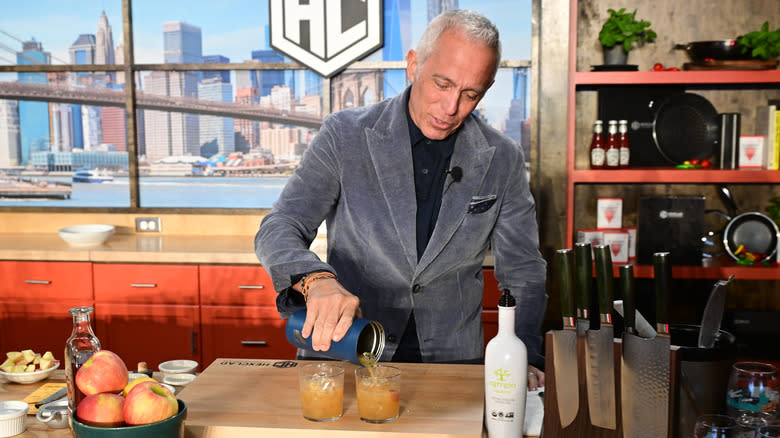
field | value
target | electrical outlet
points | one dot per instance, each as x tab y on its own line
148	225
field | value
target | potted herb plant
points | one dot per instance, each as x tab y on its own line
762	43
620	32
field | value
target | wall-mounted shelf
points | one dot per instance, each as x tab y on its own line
672	175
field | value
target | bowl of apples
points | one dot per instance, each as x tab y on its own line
115	406
27	366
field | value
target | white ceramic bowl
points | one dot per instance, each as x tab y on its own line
32	377
86	235
178	366
180	379
12	416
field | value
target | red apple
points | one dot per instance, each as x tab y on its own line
104	371
149	402
101	410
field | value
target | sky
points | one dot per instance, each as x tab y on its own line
232	28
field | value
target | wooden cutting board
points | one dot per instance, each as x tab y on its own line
248	398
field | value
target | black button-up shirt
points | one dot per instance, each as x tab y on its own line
431	159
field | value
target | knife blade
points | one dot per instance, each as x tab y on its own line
599	357
642	327
56	396
584	275
645	362
565	343
713	314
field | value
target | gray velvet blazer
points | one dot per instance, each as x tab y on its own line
357	176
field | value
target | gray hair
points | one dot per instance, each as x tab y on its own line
470	24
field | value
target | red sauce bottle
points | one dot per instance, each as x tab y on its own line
612	149
597	151
624	144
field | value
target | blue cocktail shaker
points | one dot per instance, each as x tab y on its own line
363	336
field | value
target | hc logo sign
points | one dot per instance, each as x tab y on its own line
326	35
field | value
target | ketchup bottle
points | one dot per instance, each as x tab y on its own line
613	149
597	152
623	143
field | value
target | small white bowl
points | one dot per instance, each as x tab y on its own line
12	416
86	235
182	379
32	377
178	366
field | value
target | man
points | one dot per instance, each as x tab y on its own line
414	191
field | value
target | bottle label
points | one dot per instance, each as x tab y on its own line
503	390
597	157
625	154
613	158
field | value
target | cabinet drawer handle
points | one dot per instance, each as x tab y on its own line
253	343
37	281
143	285
250	286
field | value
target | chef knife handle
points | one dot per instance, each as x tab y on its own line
604	278
629	297
662	273
564	262
584	262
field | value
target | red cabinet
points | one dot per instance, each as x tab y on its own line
148	312
34	302
239	317
244	332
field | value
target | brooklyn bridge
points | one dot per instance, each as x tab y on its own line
145	101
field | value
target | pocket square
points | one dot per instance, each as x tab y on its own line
481	204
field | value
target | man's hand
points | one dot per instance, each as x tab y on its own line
330	310
535	378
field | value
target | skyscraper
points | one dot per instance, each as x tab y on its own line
182	43
397	42
104	49
172	133
33	116
82	52
436	7
222	75
9	133
266	80
216	133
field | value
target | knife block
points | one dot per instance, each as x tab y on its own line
581	426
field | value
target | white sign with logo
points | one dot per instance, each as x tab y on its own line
326	35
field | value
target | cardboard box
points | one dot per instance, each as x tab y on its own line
618	245
672	224
751	152
609	213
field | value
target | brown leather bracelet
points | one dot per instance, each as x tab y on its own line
308	279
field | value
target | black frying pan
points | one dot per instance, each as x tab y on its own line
755	231
685	126
722	50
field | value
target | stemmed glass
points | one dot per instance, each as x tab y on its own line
752	395
772	431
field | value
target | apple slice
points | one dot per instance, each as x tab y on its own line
48	355
45	364
28	355
19	368
14	355
37	359
7	366
29	368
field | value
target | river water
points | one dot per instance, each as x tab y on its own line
171	192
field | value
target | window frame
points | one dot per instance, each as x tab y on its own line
130	69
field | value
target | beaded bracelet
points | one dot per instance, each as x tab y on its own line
308	279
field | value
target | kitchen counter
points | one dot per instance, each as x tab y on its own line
225	401
146	248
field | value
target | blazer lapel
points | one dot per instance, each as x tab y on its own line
391	154
472	154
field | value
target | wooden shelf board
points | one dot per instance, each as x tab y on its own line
672	175
720	269
677	77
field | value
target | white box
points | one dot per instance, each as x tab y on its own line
594	237
751	152
618	245
631	241
609	213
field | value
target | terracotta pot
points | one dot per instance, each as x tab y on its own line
615	55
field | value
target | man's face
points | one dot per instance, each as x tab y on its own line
449	84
